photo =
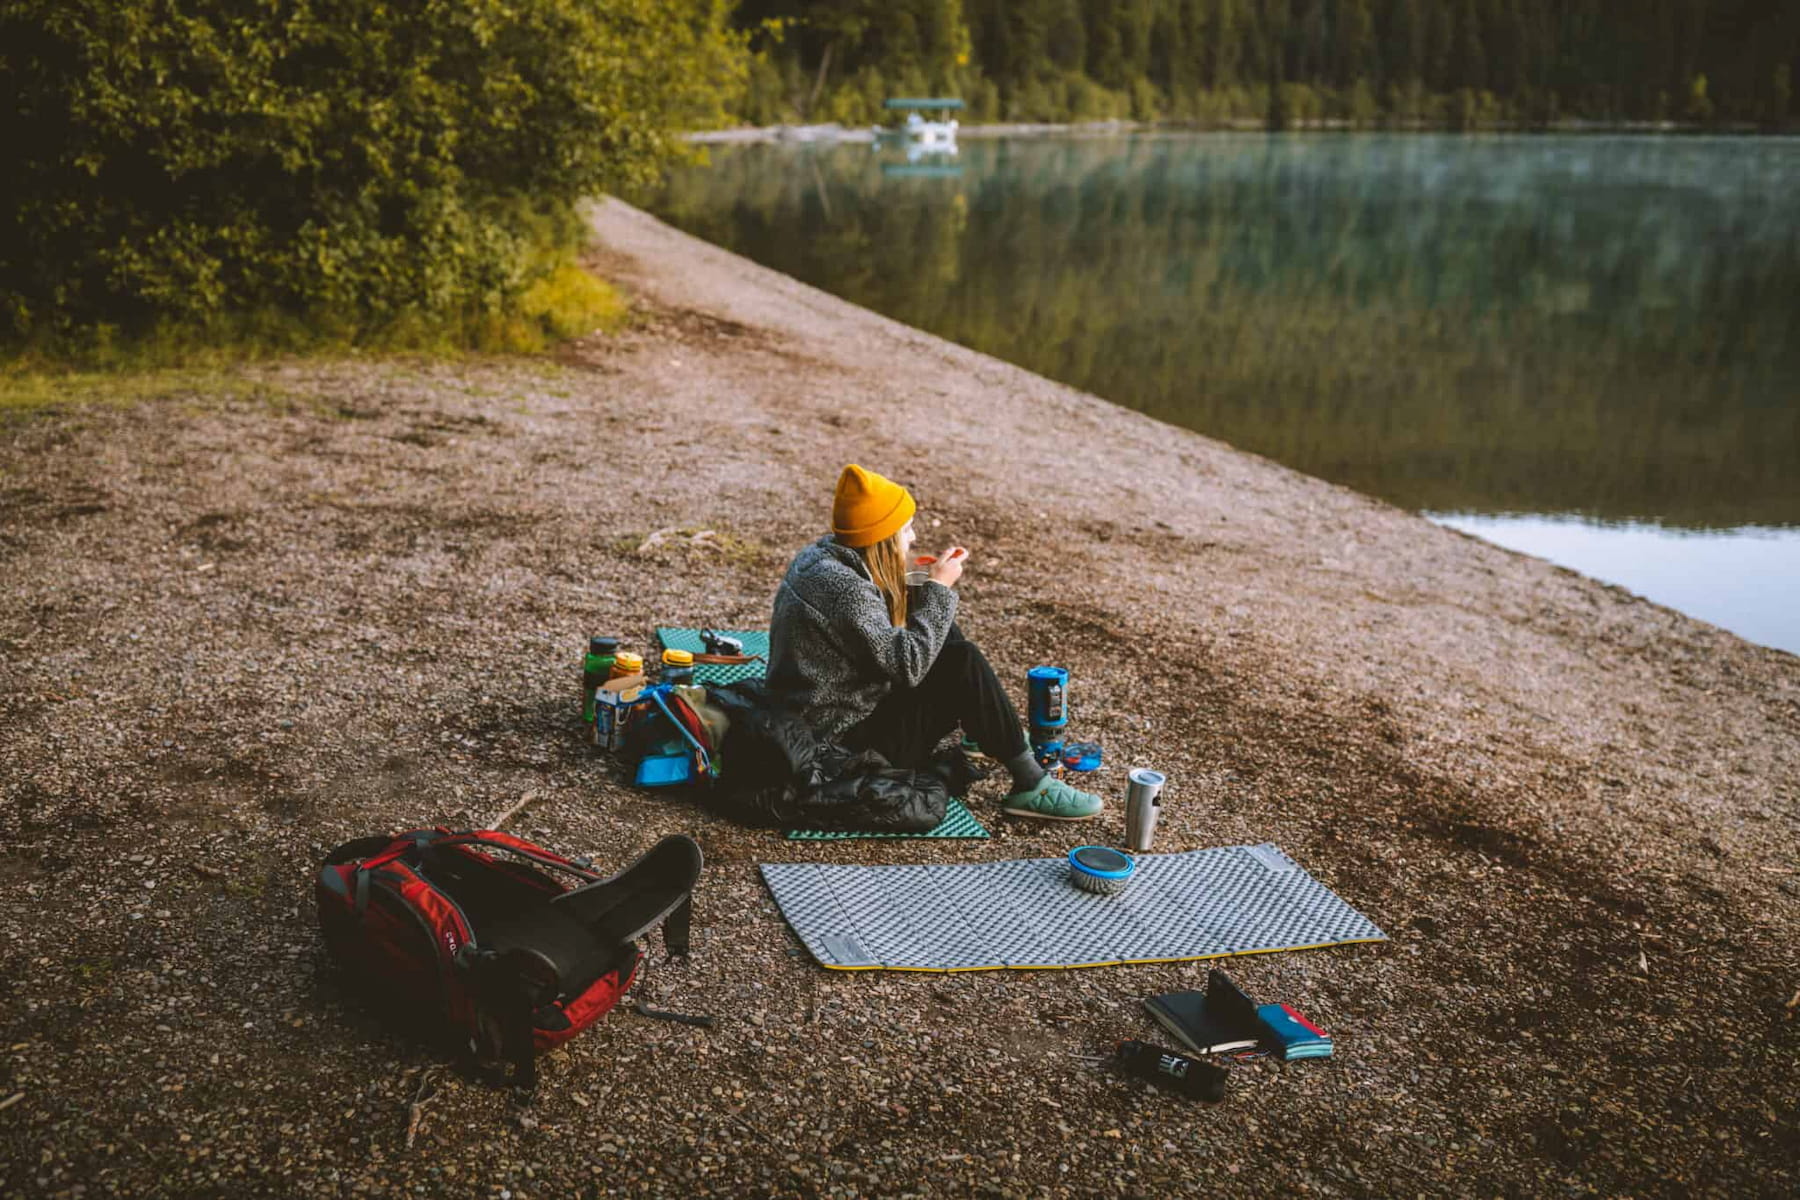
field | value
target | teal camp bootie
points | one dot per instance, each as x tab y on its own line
1053	800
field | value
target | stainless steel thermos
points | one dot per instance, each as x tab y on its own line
1143	805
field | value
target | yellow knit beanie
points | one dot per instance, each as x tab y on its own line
868	507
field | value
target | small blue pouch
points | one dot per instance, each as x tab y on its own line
665	770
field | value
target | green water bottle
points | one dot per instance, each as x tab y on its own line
596	664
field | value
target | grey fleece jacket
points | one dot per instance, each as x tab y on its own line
833	652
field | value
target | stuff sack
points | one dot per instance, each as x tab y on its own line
507	946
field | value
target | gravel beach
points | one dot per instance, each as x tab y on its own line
241	625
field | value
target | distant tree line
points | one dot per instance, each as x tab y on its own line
1457	63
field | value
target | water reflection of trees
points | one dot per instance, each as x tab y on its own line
1449	325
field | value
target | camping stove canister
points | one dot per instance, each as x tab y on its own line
1049	688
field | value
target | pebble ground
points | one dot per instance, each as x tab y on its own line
348	597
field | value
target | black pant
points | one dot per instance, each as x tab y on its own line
960	689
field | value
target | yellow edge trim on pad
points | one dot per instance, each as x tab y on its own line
1117	962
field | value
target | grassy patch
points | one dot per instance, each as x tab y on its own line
740	551
207	363
26	391
567	303
687	540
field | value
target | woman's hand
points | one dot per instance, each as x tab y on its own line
949	566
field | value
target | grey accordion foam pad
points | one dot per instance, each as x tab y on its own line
1025	913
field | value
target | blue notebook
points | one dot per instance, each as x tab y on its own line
1287	1033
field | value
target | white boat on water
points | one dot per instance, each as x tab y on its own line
938	132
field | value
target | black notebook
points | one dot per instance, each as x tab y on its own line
1219	1019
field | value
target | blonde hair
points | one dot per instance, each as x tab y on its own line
888	565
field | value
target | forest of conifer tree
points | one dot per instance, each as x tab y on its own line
1456	63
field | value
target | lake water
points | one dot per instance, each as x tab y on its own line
1583	347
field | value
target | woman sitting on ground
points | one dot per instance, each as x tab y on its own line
874	664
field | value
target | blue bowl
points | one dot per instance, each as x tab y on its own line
1100	869
1082	756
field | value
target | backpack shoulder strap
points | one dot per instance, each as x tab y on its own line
655	890
500	986
677	928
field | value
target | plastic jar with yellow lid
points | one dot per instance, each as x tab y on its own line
678	666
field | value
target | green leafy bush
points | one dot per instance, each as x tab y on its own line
363	164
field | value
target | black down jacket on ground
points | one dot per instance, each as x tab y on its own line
776	771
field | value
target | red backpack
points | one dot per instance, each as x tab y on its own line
484	931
